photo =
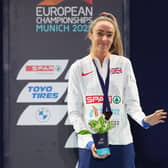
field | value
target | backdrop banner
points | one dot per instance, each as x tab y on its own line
42	38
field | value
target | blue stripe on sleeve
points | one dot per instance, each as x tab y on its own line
145	125
89	144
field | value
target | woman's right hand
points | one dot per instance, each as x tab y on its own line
95	155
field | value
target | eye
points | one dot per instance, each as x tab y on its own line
100	33
109	35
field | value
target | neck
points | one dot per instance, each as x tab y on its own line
100	56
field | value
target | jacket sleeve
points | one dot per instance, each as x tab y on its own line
75	103
131	95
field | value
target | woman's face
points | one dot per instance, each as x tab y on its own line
102	36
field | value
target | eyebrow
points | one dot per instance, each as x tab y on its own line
104	31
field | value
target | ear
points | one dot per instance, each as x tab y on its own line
90	36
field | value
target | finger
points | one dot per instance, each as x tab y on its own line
159	114
93	149
161	121
95	155
100	156
103	156
162	117
163	113
159	110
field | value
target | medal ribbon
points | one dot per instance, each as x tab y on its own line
105	87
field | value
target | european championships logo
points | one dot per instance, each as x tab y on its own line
56	2
52	17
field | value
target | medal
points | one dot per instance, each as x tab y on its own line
107	115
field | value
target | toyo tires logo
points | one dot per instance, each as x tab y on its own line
56	2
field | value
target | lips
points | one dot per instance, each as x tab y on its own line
103	46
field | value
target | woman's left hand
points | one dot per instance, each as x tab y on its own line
156	118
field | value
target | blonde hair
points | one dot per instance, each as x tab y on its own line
117	46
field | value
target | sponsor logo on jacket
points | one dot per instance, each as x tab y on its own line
116	70
87	73
96	99
93	113
100	99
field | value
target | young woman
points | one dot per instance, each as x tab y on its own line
103	82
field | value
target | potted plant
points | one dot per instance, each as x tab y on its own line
99	130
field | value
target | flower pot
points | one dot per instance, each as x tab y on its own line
101	143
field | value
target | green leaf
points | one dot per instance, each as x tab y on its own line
98	126
93	123
84	132
101	121
108	126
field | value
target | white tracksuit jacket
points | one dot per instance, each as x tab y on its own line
84	91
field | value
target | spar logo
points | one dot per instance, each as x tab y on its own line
56	2
42	69
100	99
96	99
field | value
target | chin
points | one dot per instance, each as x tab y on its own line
103	50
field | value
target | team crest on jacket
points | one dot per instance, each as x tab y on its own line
116	70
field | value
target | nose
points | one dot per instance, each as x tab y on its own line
104	38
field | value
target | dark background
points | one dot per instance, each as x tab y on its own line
1	111
148	37
149	57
